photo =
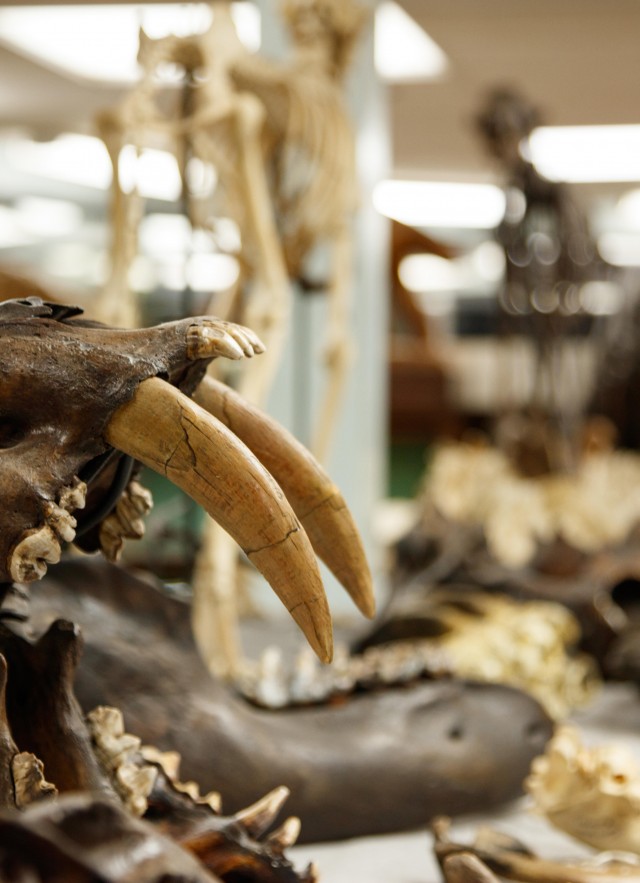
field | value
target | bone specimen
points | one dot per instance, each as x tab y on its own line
424	746
280	141
95	387
591	793
476	635
495	857
40	711
590	510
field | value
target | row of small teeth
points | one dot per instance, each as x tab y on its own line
134	769
270	684
41	546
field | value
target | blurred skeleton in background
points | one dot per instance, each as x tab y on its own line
277	142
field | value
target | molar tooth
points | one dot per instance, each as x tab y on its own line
61	521
74	496
29	782
37	548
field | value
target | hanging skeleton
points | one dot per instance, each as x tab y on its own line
283	151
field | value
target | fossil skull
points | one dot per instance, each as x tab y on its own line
78	399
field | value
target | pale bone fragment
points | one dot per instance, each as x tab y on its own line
29	783
595	507
593	794
526	644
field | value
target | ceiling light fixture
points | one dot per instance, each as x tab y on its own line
403	50
100	42
83	160
586	154
440	204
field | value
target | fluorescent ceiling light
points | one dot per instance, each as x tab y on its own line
585	154
440	203
403	50
83	160
100	42
212	272
601	298
428	272
620	249
474	272
74	159
627	211
48	218
11	233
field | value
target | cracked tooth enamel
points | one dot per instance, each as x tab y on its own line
255	819
36	549
74	496
61	522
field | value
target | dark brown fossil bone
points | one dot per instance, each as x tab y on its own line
40	714
420	748
495	856
82	839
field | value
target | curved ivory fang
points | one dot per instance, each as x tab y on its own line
168	432
314	498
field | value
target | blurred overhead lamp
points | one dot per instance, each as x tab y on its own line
586	154
100	42
622	249
83	160
441	204
403	50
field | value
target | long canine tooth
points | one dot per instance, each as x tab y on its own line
314	498
37	548
255	819
168	432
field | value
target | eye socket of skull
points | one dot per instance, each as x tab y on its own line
12	431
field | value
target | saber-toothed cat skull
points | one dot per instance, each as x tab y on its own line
75	396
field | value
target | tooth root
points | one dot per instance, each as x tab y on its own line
257	818
37	548
286	835
61	522
74	496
